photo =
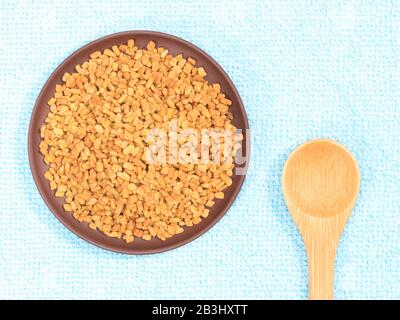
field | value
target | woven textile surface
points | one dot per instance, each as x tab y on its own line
304	69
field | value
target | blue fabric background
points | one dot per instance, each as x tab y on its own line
304	69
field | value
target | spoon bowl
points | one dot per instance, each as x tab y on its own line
321	181
326	178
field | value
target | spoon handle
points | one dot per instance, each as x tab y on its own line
321	253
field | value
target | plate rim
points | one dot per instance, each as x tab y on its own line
82	235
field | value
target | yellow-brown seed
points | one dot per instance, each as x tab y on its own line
94	142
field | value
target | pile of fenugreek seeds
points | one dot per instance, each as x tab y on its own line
96	141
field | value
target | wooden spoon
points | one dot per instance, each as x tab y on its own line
321	181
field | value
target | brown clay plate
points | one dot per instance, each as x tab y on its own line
175	46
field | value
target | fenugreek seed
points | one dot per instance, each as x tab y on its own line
201	72
99	128
157	117
219	195
205	213
99	166
132	187
164	54
114	234
226	101
196	220
146	237
61	188
226	179
128	165
170	103
53	185
92	226
138	233
58	132
123	175
188	222
94	141
59	194
129	149
116	50
109	53
92	66
210	203
123	98
165	170
129	239
92	201
95	55
48	176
